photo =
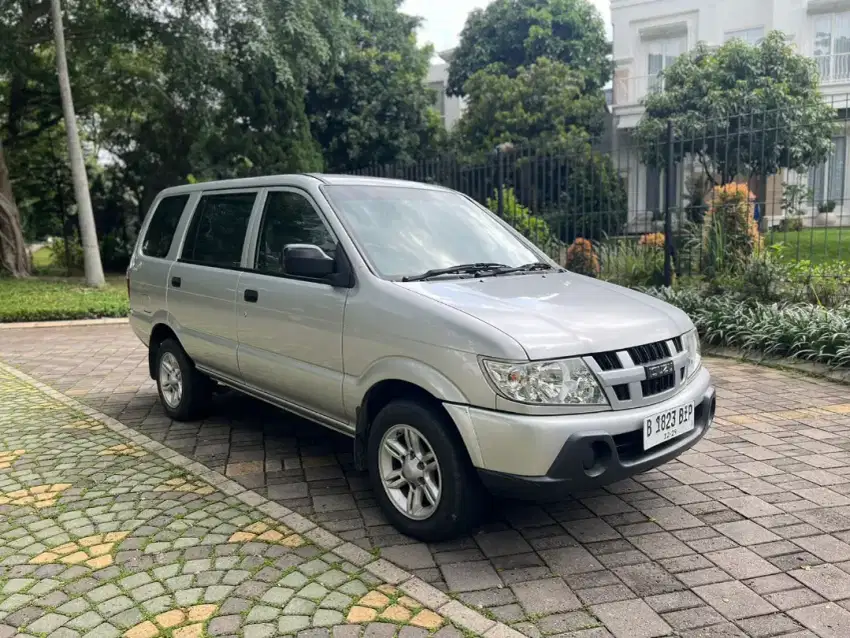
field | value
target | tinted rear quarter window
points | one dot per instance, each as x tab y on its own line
218	228
163	225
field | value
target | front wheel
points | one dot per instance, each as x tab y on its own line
420	472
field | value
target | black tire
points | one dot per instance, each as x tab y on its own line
461	496
197	388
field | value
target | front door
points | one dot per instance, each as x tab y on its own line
290	329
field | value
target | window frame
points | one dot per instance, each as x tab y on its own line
178	232
735	33
213	193
344	278
826	167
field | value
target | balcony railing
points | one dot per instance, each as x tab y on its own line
631	90
834	69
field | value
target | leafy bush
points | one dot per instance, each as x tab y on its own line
653	240
825	284
730	235
631	264
520	217
799	331
52	300
827	206
790	225
582	258
70	258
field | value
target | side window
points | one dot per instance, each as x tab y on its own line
161	230
289	218
218	228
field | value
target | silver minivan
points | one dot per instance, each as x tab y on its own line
454	353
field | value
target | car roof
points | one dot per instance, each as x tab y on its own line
295	179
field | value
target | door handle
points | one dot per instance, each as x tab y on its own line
251	296
176	281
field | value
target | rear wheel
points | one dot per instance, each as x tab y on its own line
420	472
184	392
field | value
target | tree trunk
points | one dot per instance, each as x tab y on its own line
91	252
13	250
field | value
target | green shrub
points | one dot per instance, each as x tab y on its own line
56	299
70	260
800	331
631	264
825	284
520	217
582	258
730	235
790	225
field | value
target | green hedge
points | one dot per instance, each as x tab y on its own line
53	300
798	330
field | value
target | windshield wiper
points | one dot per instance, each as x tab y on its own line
534	266
455	270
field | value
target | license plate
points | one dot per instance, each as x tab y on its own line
667	425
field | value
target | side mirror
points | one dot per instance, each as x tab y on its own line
307	260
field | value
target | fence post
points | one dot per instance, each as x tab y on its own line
500	177
669	194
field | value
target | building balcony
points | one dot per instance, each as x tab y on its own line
833	69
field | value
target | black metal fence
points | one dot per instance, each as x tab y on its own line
703	204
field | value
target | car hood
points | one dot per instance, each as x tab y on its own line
561	314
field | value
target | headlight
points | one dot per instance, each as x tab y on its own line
690	341
560	382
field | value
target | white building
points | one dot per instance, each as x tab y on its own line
450	108
649	34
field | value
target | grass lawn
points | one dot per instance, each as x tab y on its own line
818	245
42	258
54	298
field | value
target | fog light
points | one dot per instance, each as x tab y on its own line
597	455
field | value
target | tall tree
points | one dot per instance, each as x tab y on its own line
13	250
375	108
741	110
515	33
91	250
542	105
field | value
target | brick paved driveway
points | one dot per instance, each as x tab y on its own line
747	535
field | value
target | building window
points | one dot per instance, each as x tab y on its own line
660	55
439	97
831	46
752	37
827	180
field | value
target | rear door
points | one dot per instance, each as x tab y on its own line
148	272
290	329
202	283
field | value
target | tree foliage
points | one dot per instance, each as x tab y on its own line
543	105
741	110
515	33
185	90
375	108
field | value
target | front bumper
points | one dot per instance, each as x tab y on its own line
542	457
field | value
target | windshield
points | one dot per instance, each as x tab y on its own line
406	231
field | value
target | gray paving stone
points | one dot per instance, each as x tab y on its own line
546	596
734	600
631	619
826	620
292	624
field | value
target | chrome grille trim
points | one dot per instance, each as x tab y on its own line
632	372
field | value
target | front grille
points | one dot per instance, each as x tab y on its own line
641	355
608	361
677	341
658	385
622	392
